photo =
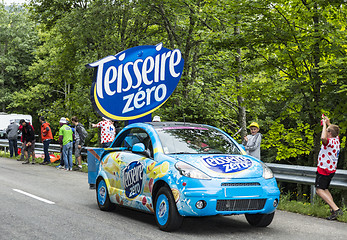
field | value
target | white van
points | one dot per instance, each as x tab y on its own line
6	118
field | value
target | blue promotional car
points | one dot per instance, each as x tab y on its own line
174	170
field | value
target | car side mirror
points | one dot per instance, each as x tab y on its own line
140	149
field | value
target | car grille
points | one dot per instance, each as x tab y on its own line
240	204
240	184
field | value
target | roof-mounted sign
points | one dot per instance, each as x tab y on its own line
135	82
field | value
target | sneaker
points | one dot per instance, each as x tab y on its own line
334	214
70	169
27	162
33	163
19	159
59	167
77	168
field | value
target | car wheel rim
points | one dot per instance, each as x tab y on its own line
102	192
162	209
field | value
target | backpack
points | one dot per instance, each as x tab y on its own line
84	131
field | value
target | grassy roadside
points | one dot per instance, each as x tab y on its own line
318	209
40	160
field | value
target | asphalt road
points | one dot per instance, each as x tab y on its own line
40	202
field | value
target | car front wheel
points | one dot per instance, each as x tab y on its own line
260	220
166	213
103	197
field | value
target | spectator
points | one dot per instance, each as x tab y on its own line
29	141
252	142
327	162
107	132
62	162
65	139
47	137
80	136
12	135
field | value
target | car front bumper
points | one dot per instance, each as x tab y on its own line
228	197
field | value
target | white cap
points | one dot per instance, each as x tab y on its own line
12	121
63	120
156	119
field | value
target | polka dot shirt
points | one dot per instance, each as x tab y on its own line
107	131
328	156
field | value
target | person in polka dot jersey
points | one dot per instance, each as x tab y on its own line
108	132
327	162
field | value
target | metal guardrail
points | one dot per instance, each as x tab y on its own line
38	146
283	172
305	175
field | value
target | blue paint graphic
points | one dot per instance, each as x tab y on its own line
132	179
227	164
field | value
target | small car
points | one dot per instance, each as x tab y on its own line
174	170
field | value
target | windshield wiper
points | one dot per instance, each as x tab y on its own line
184	153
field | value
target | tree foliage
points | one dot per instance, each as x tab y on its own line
18	39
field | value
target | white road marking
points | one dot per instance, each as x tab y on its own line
33	196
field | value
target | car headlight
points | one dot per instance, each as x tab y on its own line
190	171
267	173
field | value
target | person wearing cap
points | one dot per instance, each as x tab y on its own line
12	135
252	141
156	119
66	138
108	132
28	135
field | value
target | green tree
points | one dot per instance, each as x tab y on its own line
18	39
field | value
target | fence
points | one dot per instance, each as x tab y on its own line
283	172
38	146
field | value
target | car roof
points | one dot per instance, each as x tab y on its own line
174	124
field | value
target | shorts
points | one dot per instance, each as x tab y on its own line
30	148
77	150
323	181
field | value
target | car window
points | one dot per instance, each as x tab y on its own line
195	140
133	136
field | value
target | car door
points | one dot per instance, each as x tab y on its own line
131	184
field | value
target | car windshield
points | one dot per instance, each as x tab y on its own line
195	140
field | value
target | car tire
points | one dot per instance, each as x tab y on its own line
260	220
102	196
165	211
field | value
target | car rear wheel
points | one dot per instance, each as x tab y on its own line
260	220
103	197
166	213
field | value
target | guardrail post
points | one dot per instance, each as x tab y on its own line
344	198
313	193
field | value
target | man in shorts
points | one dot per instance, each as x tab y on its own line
327	162
80	136
29	141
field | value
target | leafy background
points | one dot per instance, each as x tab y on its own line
278	62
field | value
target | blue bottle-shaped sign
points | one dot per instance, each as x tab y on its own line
135	82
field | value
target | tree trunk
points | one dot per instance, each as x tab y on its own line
239	80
